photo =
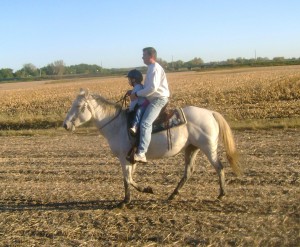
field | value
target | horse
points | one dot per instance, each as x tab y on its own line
202	132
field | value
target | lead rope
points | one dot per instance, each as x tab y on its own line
123	101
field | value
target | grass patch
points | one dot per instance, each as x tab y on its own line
253	124
30	124
50	132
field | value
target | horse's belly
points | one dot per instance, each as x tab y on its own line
166	145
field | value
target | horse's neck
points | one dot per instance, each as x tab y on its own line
106	116
112	125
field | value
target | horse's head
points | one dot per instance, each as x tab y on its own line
80	112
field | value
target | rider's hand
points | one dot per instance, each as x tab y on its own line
133	97
128	92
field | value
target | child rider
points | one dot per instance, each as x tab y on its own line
138	105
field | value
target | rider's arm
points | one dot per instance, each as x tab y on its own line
151	83
134	101
133	104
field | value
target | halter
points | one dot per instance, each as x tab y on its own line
82	109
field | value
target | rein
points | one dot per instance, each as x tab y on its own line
123	103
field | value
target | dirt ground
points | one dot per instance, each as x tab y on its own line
60	190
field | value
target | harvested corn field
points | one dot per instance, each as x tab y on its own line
241	95
61	189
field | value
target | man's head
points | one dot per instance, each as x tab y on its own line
149	55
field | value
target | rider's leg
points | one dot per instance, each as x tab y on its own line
151	113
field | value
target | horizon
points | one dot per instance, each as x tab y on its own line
270	59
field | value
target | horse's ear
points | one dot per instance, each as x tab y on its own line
84	92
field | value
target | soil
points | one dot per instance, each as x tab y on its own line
61	190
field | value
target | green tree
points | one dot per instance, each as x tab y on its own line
177	64
30	70
162	63
262	59
231	61
59	67
196	62
55	68
6	73
49	69
278	59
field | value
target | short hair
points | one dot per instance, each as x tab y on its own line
150	51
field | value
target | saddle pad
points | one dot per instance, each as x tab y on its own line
172	118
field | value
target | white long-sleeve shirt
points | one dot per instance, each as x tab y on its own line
156	84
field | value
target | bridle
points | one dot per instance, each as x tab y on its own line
82	109
91	110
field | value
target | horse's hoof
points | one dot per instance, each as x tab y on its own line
171	197
148	190
221	196
121	205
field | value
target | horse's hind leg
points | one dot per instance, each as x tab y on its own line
190	155
216	163
220	170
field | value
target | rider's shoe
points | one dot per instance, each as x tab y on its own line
140	157
133	130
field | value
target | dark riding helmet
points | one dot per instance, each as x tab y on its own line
137	75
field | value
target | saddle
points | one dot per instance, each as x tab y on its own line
167	119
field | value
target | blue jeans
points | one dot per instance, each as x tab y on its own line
151	113
138	115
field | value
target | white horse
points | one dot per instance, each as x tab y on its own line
202	132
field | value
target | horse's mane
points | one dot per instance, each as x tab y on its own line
106	105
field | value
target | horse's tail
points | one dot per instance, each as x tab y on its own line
227	137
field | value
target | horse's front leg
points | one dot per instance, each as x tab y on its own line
128	171
137	186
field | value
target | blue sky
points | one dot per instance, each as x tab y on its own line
113	33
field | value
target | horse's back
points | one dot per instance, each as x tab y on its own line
200	116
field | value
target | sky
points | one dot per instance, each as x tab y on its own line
112	33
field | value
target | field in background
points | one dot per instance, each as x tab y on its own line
246	97
60	189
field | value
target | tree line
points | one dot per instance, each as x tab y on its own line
58	68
